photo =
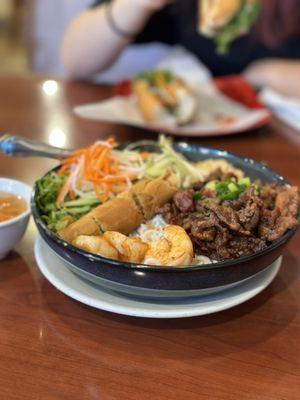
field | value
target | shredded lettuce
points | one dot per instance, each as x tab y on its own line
243	21
58	216
150	76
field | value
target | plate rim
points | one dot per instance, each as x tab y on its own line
271	272
261	121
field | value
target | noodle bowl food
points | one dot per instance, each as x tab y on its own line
158	208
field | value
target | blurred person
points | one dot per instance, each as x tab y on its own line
46	22
268	56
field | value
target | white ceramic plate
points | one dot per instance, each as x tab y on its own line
123	110
216	113
57	273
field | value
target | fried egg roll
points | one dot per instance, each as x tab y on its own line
125	212
119	214
150	194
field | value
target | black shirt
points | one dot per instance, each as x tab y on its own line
176	24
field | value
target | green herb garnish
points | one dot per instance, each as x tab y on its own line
197	196
257	189
231	189
242	22
150	76
211	185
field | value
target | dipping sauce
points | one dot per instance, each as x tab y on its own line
11	206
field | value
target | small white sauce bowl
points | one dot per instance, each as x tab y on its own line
12	230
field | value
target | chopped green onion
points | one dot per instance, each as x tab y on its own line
197	196
232	187
257	188
211	185
245	181
231	190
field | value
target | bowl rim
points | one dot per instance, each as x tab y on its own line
185	268
25	213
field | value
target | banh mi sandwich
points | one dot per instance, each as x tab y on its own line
225	20
125	212
163	98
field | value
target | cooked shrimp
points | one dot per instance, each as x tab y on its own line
161	246
172	247
96	245
130	249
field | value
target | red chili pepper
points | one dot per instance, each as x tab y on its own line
123	88
236	87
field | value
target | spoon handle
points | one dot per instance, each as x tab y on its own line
17	146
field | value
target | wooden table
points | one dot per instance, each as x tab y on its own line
52	347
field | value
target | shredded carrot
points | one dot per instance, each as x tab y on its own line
106	166
96	165
99	163
144	155
63	192
96	189
111	179
78	152
97	153
116	179
86	164
118	189
106	192
63	169
69	160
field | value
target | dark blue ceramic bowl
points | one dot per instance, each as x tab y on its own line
170	281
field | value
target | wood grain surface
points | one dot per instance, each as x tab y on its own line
52	347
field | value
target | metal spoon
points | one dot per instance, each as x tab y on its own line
17	146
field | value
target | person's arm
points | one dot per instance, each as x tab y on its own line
281	75
91	44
